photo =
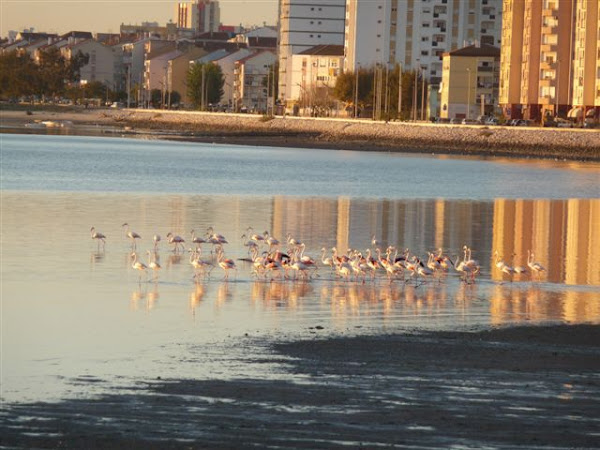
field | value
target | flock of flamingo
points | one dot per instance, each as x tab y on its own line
271	259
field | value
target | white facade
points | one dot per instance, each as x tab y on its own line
249	86
305	24
198	15
156	70
103	65
227	64
312	74
416	33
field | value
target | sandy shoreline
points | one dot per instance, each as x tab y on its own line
521	387
572	144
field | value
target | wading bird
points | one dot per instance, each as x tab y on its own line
176	241
139	266
99	237
534	265
153	264
131	235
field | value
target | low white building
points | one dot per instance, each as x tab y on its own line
104	64
227	64
251	89
313	77
304	24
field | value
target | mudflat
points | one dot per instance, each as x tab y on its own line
517	387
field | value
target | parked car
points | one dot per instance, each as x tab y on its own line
492	121
456	121
563	123
524	123
470	122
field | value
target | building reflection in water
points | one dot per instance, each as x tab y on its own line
561	234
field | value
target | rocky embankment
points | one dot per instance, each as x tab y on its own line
365	135
368	135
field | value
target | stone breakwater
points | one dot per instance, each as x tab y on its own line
364	135
369	135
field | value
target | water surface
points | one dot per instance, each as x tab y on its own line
77	321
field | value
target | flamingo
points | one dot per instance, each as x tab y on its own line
344	270
131	235
198	264
534	265
138	265
226	264
519	269
425	272
153	264
497	261
99	237
197	240
326	261
176	240
156	239
255	237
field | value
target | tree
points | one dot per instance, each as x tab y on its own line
156	98
18	75
345	88
387	89
205	84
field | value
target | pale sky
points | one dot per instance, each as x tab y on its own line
61	16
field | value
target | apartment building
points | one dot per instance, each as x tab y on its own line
202	16
314	74
104	64
177	71
417	33
304	24
227	64
550	59
250	84
470	82
586	62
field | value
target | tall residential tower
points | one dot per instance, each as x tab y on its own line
199	15
550	59
416	33
304	24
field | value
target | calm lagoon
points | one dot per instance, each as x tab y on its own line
77	321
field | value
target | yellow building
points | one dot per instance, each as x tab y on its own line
586	64
470	82
550	59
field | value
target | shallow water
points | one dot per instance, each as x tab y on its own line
76	320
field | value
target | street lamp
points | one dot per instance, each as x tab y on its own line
356	91
468	91
415	90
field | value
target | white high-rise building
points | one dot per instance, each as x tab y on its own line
416	33
304	24
199	15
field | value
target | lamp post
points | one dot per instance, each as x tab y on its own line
557	85
356	91
468	91
399	91
416	87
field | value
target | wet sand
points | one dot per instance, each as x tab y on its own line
523	387
362	135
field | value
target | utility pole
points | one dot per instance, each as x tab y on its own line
356	93
422	96
415	89
268	89
128	86
399	90
202	90
468	92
